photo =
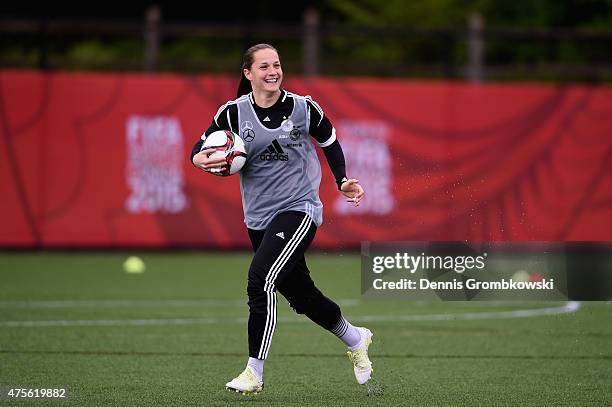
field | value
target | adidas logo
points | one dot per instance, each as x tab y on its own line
274	152
267	119
281	235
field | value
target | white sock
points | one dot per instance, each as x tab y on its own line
257	366
347	333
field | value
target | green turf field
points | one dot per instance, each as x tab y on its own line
176	333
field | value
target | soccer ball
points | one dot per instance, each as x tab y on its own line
228	145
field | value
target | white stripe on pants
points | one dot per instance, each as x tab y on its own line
270	289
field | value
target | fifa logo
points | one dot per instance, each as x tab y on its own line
154	168
367	142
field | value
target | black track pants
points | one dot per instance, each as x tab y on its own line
279	264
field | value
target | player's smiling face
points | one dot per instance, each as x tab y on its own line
266	73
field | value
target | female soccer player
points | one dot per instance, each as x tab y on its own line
280	197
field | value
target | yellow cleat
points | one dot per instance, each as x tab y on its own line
361	361
246	383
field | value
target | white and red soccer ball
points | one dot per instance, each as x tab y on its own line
228	145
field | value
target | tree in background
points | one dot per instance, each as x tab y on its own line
454	13
413	52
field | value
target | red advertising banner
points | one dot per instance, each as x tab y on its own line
101	160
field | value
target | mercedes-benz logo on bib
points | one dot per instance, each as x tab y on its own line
246	131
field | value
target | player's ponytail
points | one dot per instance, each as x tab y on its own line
244	87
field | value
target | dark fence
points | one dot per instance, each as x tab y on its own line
314	47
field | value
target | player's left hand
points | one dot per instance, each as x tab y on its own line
352	191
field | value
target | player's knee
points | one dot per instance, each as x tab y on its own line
258	293
299	305
255	283
303	301
257	299
313	301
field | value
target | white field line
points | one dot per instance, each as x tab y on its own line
568	307
130	303
137	303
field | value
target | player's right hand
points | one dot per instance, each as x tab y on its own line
208	164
